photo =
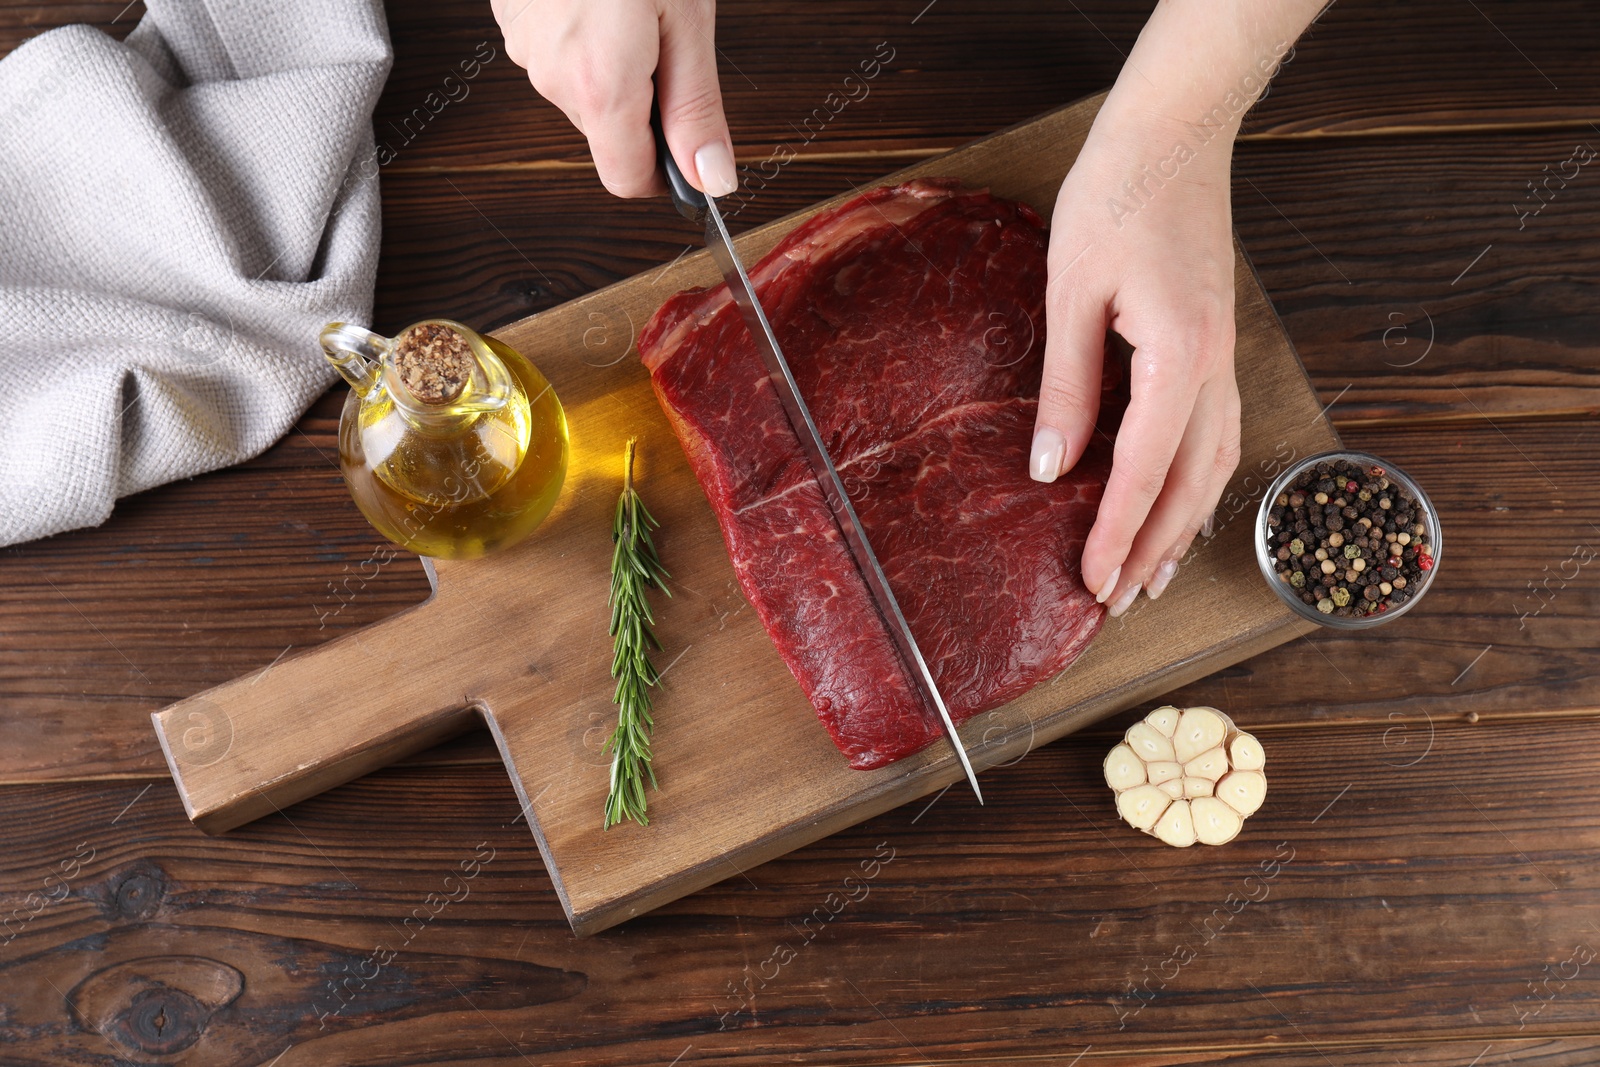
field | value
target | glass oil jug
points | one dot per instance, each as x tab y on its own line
452	443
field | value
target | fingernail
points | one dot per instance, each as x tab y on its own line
1109	586
714	162
1205	528
1048	449
1163	575
1123	602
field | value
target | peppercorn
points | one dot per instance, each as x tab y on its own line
1324	530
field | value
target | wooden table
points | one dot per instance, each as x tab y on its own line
1421	888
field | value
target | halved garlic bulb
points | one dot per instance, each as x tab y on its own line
1187	775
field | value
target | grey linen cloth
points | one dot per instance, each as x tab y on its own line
179	215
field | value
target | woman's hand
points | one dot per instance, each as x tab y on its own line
602	62
1142	243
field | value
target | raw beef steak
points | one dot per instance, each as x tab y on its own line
913	319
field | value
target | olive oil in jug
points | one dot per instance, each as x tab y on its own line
453	445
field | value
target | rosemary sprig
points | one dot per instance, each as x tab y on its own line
635	568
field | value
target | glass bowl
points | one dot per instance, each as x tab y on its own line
1265	551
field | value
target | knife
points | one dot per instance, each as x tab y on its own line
696	206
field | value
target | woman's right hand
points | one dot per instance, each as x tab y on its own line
602	62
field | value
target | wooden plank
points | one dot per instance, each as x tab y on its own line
520	636
960	71
201	581
1368	249
1416	910
1423	277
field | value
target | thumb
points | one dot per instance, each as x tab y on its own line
691	99
1069	394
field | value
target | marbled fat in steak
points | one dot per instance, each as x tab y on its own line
913	319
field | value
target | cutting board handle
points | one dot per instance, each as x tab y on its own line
314	720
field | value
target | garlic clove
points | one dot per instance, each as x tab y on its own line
1150	744
1142	805
1176	825
1164	719
1173	788
1212	765
1199	730
1124	770
1243	790
1199	787
1163	772
1246	753
1214	822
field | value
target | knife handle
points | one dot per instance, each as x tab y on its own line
690	202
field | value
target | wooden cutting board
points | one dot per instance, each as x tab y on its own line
746	770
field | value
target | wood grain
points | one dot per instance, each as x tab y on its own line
961	71
1408	908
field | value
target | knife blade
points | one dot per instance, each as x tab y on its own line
698	207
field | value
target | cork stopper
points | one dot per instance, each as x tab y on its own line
434	362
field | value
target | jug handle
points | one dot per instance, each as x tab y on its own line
356	353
